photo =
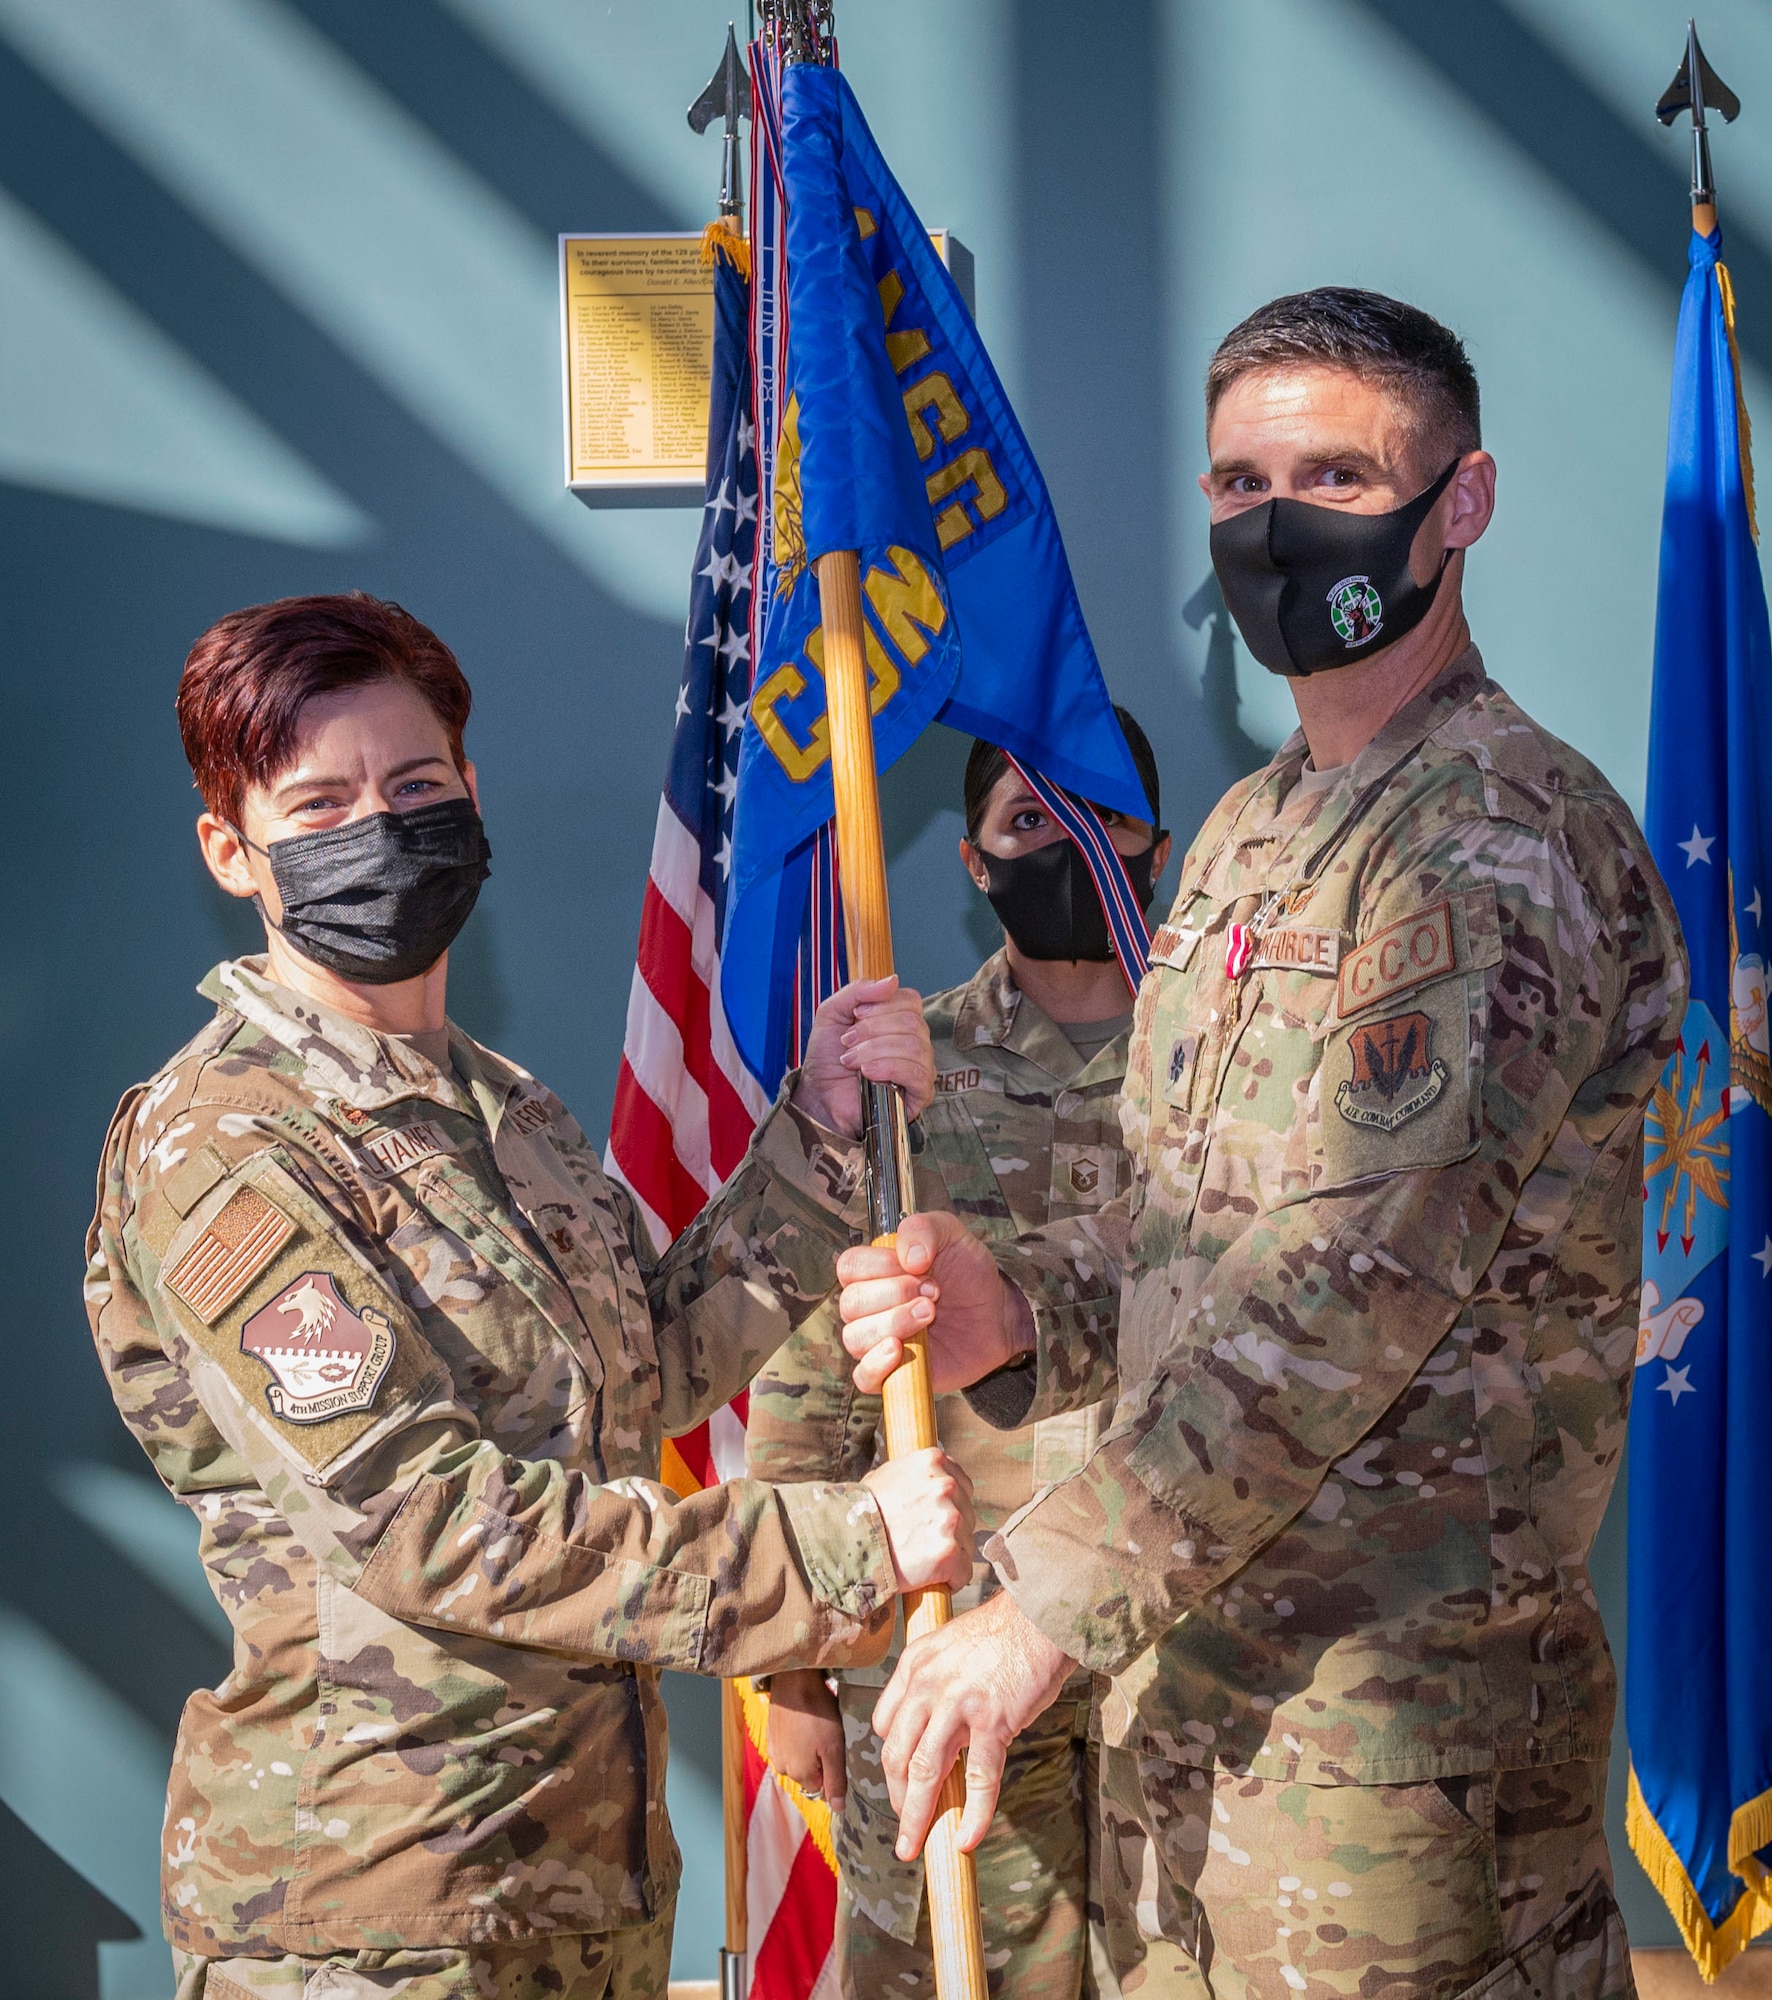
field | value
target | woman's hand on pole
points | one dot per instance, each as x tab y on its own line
925	1500
872	1028
805	1736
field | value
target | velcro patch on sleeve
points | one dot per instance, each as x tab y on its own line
1404	954
320	1351
241	1239
185	1186
326	1358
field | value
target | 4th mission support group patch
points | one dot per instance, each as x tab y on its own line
326	1359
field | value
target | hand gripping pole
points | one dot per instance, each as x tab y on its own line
909	1398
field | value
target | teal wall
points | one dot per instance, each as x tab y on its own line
277	313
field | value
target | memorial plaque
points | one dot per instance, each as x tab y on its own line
637	342
638	315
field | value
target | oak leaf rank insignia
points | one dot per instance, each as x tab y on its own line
1395	1076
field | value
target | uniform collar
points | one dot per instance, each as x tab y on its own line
1452	689
994	1010
341	1058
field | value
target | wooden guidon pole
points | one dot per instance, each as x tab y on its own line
909	1398
734	1970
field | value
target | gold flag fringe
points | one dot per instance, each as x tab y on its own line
1744	428
1713	1946
1750	1829
815	1812
723	238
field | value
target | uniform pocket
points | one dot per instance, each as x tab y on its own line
1583	1955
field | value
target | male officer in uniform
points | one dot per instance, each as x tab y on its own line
1370	1303
366	1298
1030	1054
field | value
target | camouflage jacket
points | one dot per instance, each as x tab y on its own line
402	1349
1375	1281
1021	1133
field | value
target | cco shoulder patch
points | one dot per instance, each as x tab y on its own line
1404	954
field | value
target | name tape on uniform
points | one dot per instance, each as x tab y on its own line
392	1152
1173	945
1298	948
949	1080
1402	955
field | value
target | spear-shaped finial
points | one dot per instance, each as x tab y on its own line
727	96
1698	89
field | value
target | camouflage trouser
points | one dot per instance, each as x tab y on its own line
1033	1871
607	1965
1254	1889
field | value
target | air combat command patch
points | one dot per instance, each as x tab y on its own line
1395	1072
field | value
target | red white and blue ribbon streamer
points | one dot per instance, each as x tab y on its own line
1126	925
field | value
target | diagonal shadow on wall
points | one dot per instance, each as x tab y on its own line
1631	178
445	76
1089	165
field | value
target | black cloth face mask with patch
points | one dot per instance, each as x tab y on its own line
381	898
1313	588
1048	902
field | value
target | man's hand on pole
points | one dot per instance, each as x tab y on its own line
973	1686
891	1292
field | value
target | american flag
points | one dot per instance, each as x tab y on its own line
685	1103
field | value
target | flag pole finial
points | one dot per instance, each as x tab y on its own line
727	96
1697	88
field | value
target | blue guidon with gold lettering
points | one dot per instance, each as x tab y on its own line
894	438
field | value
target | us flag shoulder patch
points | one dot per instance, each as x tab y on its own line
241	1239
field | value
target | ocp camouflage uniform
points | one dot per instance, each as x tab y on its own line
402	1349
1375	1292
1021	1131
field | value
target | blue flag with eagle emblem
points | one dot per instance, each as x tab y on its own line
882	427
1699	1680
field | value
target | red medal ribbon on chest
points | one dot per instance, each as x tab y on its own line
1239	949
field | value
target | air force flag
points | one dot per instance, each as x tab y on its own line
1699	1680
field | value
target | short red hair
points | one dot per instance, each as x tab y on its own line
247	679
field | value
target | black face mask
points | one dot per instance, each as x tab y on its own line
1048	903
382	898
1319	587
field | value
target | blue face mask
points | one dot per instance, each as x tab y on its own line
382	898
1313	588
